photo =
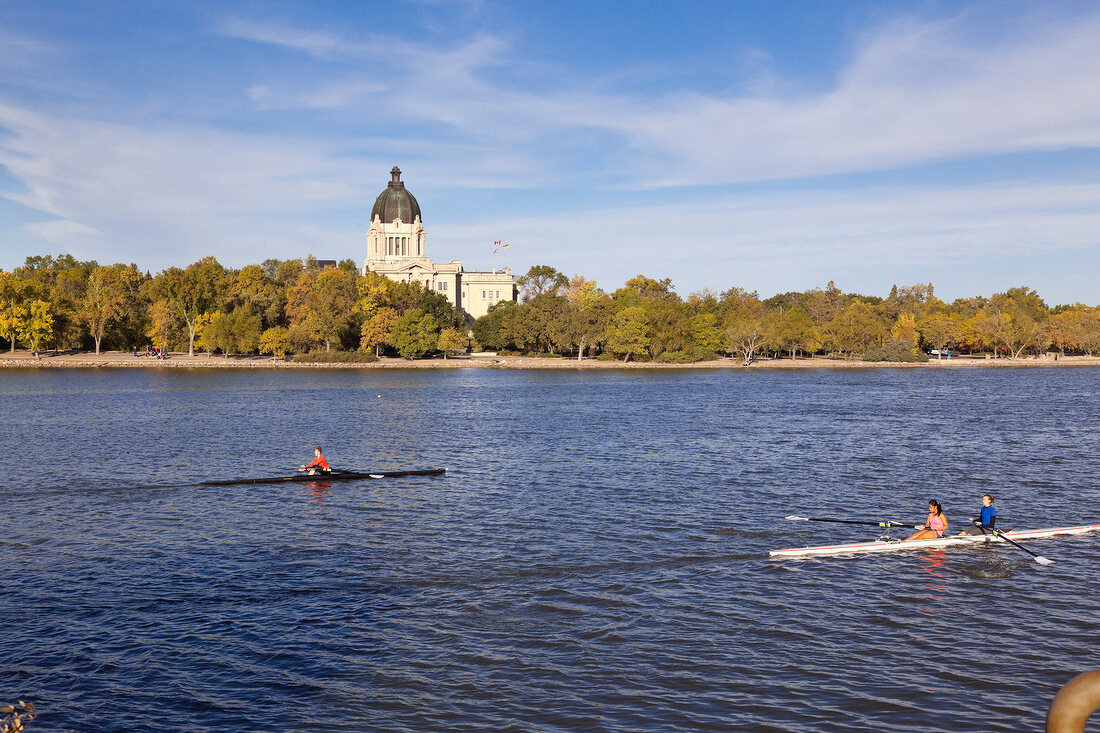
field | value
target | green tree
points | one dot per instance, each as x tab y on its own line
450	339
792	331
628	332
192	292
130	325
253	288
705	332
416	334
641	287
854	329
489	329
541	279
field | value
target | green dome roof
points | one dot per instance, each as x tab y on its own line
395	202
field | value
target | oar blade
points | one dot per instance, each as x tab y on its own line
793	516
1043	560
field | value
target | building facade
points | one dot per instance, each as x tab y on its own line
397	247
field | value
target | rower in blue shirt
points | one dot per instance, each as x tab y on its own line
987	519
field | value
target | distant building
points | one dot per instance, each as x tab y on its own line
326	263
397	248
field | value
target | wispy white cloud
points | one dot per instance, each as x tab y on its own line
794	240
914	92
318	43
163	194
21	51
325	96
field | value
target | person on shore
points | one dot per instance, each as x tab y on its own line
935	526
987	517
319	464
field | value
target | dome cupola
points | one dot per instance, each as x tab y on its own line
395	202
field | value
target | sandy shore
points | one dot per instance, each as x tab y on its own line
122	359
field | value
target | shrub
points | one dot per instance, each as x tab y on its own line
335	357
687	356
894	351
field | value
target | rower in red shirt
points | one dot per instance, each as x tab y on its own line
319	464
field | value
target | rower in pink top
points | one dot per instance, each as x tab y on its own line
935	526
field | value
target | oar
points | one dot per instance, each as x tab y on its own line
856	521
1038	558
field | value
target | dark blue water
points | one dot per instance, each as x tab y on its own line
595	558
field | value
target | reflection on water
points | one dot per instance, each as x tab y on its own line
317	491
595	557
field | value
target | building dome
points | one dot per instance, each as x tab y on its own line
395	202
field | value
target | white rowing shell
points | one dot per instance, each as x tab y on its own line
890	545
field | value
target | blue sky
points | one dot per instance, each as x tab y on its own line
769	145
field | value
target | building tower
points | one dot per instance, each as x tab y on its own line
397	248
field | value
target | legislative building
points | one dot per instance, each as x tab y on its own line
397	248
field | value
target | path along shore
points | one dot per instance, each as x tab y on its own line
122	359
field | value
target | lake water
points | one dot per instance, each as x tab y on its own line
594	559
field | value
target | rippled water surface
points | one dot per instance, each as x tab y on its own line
594	559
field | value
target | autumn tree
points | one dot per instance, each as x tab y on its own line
376	329
584	323
37	326
102	302
320	305
273	341
905	329
236	332
161	317
12	308
450	339
941	330
192	292
746	334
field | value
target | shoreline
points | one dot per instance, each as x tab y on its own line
126	360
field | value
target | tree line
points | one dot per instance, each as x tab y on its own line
281	307
276	307
645	319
